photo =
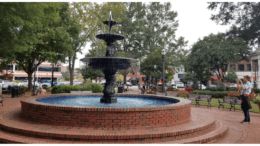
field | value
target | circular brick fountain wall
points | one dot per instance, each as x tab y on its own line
107	117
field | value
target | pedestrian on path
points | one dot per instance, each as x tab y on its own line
245	102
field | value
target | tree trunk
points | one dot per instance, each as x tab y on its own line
71	68
125	77
30	81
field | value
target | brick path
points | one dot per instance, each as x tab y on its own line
237	133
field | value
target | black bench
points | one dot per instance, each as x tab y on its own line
160	93
194	97
172	94
205	98
230	100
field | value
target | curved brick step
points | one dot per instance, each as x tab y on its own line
219	132
11	122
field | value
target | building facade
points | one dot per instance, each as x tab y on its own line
44	72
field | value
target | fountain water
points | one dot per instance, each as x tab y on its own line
109	64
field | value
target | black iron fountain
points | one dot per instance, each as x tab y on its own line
109	64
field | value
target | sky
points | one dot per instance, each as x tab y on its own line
194	23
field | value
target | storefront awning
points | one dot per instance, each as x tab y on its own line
214	77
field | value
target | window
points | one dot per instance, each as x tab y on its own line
49	69
241	67
248	67
233	66
10	67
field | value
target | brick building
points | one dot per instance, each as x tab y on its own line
44	71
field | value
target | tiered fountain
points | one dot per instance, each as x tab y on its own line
109	64
81	118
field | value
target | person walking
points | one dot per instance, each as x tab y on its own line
245	102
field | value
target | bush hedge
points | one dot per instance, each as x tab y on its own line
215	94
94	87
220	88
6	91
256	90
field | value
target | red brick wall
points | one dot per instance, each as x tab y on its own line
106	117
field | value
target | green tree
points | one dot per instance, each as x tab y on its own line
88	72
120	78
244	17
231	75
189	77
36	34
213	53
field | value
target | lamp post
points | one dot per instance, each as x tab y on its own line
163	56
52	70
34	89
255	85
155	83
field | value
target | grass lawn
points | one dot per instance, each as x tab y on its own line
214	103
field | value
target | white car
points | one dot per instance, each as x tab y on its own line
11	84
48	85
201	86
128	84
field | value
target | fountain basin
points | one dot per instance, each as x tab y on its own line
107	117
115	63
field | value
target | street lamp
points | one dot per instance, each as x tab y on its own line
163	56
34	89
155	83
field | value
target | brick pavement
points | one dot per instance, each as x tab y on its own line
237	133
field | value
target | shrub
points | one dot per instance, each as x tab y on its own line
183	92
257	100
215	94
170	88
181	95
96	88
221	87
6	91
233	94
189	89
232	89
256	90
63	89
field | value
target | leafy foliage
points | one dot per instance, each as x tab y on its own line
213	53
244	17
231	75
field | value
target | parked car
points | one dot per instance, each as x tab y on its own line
201	87
128	84
49	81
102	83
180	85
63	83
11	84
1	82
211	85
48	85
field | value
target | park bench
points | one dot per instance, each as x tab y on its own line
194	97
205	98
172	94
230	100
160	93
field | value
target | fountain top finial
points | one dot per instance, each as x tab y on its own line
110	15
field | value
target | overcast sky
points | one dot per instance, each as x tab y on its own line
194	23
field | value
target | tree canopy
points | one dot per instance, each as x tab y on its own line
213	53
34	32
244	17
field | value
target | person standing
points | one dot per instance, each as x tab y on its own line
245	102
